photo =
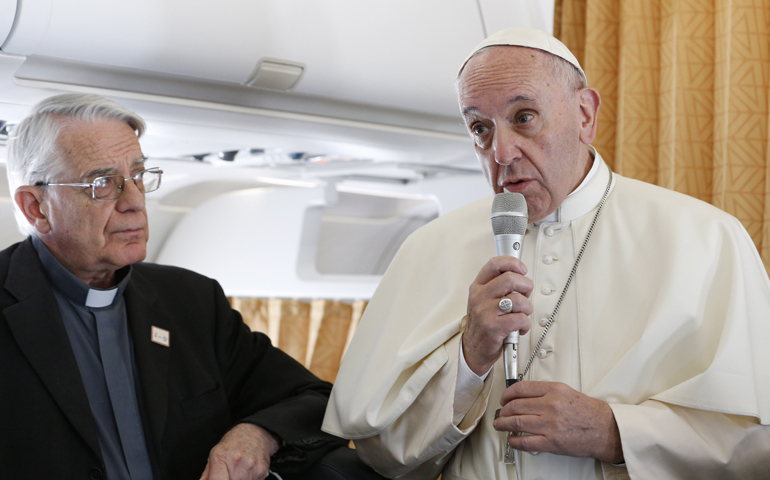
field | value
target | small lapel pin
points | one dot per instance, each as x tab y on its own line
160	336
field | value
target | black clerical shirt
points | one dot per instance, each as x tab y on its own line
121	437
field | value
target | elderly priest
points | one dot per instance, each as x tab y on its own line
117	369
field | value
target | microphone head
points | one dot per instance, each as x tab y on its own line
509	214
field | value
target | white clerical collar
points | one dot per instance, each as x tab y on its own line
591	173
586	196
74	288
100	298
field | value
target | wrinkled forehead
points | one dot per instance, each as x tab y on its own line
500	67
506	58
499	77
101	146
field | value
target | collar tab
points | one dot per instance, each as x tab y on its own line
100	298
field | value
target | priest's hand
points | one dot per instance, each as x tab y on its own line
242	454
560	420
487	325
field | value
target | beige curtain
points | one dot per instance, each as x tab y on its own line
684	87
316	333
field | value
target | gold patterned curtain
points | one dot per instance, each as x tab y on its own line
316	333
685	88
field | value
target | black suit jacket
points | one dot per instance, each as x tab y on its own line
214	374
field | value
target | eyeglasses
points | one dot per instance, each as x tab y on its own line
110	187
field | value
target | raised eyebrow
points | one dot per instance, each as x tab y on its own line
467	111
520	98
139	162
101	172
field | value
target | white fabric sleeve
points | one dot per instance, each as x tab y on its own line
420	442
661	440
467	388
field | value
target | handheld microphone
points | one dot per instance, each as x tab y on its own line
509	224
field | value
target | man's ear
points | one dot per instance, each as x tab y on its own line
589	113
30	201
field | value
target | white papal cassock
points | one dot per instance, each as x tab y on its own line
668	320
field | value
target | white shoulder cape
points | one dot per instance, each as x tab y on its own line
673	297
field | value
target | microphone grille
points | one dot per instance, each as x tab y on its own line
509	225
509	202
511	208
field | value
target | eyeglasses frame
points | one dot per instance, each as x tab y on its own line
120	189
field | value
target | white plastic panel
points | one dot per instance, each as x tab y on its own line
499	15
7	15
406	51
250	242
359	234
5	190
9	231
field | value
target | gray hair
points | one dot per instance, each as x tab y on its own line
34	153
566	73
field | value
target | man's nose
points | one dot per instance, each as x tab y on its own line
132	198
506	146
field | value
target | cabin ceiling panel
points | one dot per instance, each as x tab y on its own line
7	15
404	51
179	130
499	15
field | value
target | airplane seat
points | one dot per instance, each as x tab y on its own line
340	464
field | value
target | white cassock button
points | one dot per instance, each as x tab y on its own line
543	321
547	259
546	290
549	231
542	353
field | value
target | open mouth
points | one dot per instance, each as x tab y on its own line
516	186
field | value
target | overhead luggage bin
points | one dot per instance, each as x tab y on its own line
398	53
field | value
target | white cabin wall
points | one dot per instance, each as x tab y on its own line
265	242
9	232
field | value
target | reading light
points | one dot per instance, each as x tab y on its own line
276	74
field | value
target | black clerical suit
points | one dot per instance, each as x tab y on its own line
214	373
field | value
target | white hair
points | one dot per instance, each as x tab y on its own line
34	152
566	73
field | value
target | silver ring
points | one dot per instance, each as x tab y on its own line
505	304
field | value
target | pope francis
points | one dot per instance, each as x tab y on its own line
644	313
